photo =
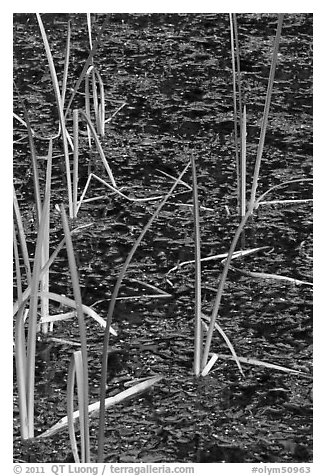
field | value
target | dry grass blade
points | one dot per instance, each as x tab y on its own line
71	303
260	363
209	365
227	341
115	190
236	254
94	408
277	277
284	202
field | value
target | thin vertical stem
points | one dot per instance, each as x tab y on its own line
235	111
75	165
198	330
266	111
66	65
89	27
237	49
243	163
45	246
81	323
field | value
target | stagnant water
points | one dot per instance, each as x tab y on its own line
174	73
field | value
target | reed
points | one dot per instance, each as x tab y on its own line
75	161
80	360
266	112
235	109
251	207
76	370
66	65
44	280
243	164
237	114
197	323
25	352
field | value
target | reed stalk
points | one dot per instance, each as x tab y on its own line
21	371
235	109
75	161
243	167
237	49
89	29
44	280
197	323
88	103
266	111
82	332
66	65
76	369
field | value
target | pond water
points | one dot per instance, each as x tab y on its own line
174	73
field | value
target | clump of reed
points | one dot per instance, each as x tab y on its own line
36	296
203	358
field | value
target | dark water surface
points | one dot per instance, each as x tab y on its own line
174	72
